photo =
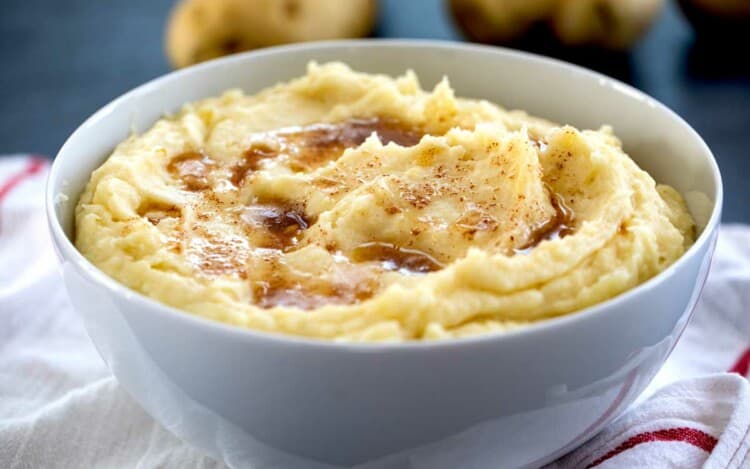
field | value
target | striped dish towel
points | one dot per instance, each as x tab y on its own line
61	408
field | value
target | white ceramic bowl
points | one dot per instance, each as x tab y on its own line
506	400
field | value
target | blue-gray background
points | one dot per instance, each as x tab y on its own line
63	59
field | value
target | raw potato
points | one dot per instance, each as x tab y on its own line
200	30
613	24
498	21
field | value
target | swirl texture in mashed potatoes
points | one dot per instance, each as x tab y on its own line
349	206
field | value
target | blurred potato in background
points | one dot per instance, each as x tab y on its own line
608	24
199	30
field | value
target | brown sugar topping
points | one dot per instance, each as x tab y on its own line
395	258
192	169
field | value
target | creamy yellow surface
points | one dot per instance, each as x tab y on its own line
250	210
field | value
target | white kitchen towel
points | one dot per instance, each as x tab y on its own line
61	408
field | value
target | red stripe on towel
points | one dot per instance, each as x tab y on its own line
743	363
34	165
691	436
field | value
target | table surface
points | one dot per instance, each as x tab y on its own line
61	61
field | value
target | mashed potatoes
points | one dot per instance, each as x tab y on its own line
359	207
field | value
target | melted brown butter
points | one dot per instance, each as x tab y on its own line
395	258
310	147
192	169
310	296
343	284
280	223
251	161
353	132
155	212
278	226
556	227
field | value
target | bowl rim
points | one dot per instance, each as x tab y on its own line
69	254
